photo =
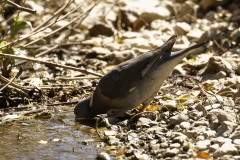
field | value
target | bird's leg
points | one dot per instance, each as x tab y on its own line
141	107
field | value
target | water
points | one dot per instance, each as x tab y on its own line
57	138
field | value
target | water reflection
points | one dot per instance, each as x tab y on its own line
58	138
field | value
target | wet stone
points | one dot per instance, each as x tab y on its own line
103	156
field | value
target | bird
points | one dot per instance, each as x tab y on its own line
133	82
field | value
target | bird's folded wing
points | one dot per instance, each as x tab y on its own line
124	78
157	53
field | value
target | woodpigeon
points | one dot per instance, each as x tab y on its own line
133	82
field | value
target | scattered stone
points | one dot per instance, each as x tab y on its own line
181	28
209	134
226	128
145	122
178	119
175	145
171	152
185	125
226	149
151	14
103	156
202	145
213	148
190	133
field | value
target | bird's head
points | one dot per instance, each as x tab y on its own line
82	109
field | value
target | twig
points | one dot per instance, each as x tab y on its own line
74	20
32	111
49	63
61	103
21	8
5	80
36	30
96	126
219	46
46	51
38	47
212	94
24	92
54	15
86	14
76	78
16	76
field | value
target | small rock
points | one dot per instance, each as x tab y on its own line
235	157
213	147
226	116
137	42
221	140
209	134
181	28
215	65
211	16
109	133
180	139
170	105
155	147
133	137
100	29
225	149
171	152
162	25
113	140
200	123
206	4
187	8
103	156
178	119
203	145
71	62
226	128
185	125
150	14
175	145
235	135
236	141
194	34
183	156
145	122
194	114
164	145
140	155
191	133
117	57
220	75
200	138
